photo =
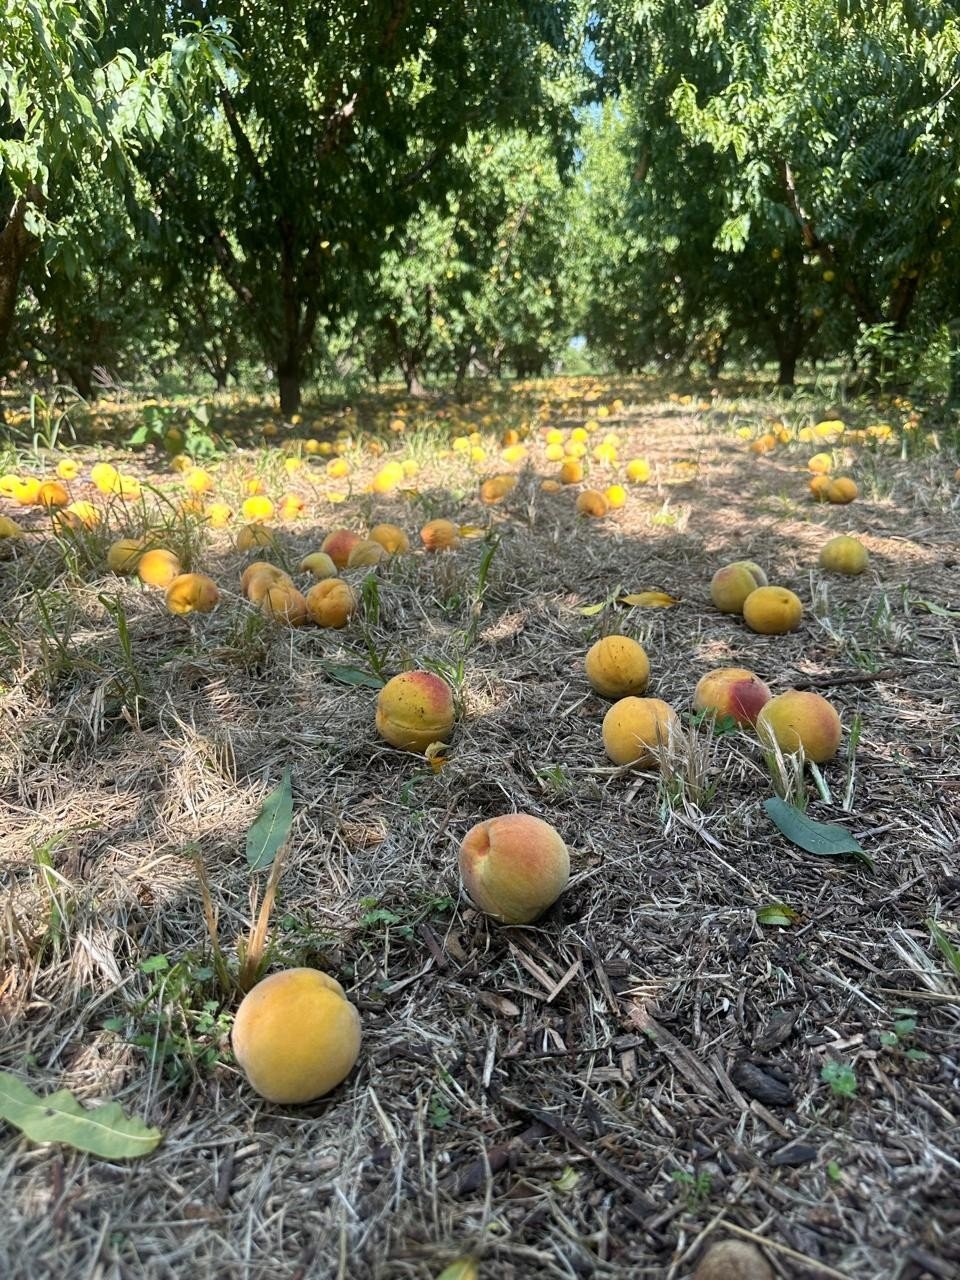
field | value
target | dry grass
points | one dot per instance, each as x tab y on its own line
596	1095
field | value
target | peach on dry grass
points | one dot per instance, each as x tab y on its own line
844	554
731	691
635	728
9	528
158	567
296	1036
842	490
818	487
192	593
319	565
53	494
732	583
617	666
514	866
283	603
591	502
367	552
392	538
571	472
124	555
439	535
338	544
331	603
496	488
772	611
733	1260
799	718
415	709
254	535
261	569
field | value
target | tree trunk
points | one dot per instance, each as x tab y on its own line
82	379
415	384
787	371
16	245
288	379
953	396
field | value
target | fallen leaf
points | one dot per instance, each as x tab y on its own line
777	913
271	825
462	1269
823	838
650	599
472	531
590	610
102	1131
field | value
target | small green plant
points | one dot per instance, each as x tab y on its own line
841	1077
898	1039
697	1187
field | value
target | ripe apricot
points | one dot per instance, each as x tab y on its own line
731	691
496	488
296	1036
415	709
192	593
634	728
772	611
52	493
844	554
338	544
283	603
124	555
731	584
571	472
617	666
158	567
393	539
331	602
440	535
799	718
591	502
514	867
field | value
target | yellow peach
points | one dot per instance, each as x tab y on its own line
731	584
219	515
616	496
820	463
393	539
282	603
9	528
331	603
68	469
296	1036
571	472
733	1260
772	611
842	490
158	567
440	535
638	471
799	719
617	666
366	552
844	554
514	867
389	477
192	593
415	709
319	565
257	509
496	488
254	535
338	544
819	486
731	691
124	555
591	502
635	728
52	493
261	568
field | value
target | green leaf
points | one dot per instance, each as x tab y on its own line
947	949
102	1131
590	610
272	826
462	1269
154	964
351	675
823	838
778	913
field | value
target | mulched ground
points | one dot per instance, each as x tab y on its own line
600	1094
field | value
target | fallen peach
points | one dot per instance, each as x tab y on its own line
844	554
260	583
9	528
124	555
731	691
496	488
192	593
415	709
283	604
319	564
254	535
733	1260
331	603
842	490
158	568
730	585
393	539
261	568
366	552
571	472
634	728
617	666
52	493
591	502
296	1036
440	535
798	719
514	867
257	509
772	611
818	487
338	544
